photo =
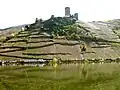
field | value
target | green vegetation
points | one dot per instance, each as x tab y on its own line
62	26
64	77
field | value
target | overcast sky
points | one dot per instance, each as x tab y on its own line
17	12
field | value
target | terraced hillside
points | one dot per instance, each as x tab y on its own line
36	43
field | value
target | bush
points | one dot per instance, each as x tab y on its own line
75	36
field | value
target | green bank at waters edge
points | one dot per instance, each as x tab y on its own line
61	77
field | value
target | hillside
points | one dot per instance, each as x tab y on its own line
60	37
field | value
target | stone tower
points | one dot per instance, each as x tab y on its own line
67	11
76	16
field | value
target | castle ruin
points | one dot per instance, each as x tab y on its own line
68	14
67	11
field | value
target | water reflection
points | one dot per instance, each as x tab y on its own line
55	65
70	71
34	65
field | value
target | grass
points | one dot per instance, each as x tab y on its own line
64	77
115	44
8	58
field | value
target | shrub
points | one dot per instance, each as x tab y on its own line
75	36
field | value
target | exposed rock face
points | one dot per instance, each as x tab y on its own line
103	31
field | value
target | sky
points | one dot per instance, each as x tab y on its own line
18	12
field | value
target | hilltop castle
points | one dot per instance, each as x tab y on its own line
67	13
39	22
